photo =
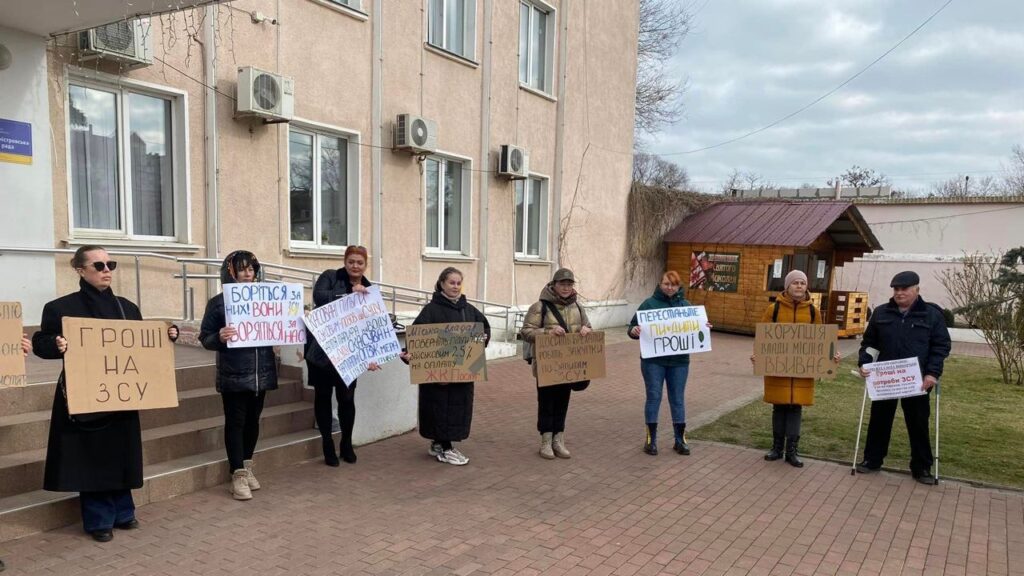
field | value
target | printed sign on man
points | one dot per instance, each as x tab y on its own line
117	365
795	350
893	379
447	352
264	314
354	331
12	360
569	358
671	331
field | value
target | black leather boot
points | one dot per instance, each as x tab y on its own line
330	456
681	447
775	453
651	444
792	455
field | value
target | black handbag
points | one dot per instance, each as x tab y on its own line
91	421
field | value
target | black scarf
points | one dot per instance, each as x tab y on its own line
101	304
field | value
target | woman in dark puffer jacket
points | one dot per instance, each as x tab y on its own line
243	377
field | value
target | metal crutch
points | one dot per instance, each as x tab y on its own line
860	426
938	396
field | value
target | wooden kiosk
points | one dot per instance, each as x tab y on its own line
738	253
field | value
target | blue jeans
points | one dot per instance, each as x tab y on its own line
102	510
675	379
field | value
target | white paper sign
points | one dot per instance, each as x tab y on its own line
894	379
777	268
264	314
354	331
671	331
821	269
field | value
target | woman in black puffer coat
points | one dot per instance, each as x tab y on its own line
446	408
243	376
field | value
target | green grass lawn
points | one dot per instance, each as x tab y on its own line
982	424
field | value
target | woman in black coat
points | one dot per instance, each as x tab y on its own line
446	408
97	455
243	377
330	286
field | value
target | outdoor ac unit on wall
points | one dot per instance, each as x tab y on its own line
127	41
415	134
513	162
265	94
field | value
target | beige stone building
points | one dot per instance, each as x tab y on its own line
150	153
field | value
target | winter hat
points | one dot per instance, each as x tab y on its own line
793	276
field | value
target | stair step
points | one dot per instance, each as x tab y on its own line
23	471
39	510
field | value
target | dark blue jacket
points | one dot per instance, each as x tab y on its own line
238	369
921	332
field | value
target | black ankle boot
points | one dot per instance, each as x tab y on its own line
681	447
792	455
330	456
776	452
347	453
651	445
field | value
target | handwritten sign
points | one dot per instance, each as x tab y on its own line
569	358
117	365
447	352
671	331
264	314
893	379
12	360
795	350
354	331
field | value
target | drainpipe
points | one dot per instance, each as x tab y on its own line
555	224
485	153
210	131
377	134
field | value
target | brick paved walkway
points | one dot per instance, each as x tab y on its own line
609	510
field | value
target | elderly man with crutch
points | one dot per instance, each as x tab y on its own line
905	327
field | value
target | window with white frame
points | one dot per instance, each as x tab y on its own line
125	148
447	193
353	4
319	205
536	45
531	217
451	26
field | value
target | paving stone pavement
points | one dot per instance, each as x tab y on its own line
610	510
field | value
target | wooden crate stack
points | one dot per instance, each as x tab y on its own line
849	310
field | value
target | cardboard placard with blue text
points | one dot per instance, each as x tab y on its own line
569	358
264	314
893	379
451	352
795	350
354	331
12	360
671	331
118	365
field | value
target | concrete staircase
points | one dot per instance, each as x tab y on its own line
182	447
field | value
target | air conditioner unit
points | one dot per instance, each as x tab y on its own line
513	162
128	41
265	94
415	134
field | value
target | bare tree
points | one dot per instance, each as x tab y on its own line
963	186
745	181
663	25
861	178
651	170
1013	181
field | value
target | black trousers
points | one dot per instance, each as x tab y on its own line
916	411
327	383
552	407
786	420
241	425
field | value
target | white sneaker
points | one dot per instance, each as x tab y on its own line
435	449
452	457
460	455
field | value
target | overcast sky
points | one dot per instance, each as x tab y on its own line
949	100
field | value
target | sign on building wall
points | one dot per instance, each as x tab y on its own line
264	314
715	271
12	361
15	141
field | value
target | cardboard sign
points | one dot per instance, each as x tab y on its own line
795	350
264	314
354	331
12	360
117	365
447	352
894	379
569	358
672	331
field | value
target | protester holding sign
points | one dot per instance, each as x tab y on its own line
905	327
789	395
446	408
556	312
98	455
330	286
243	376
664	371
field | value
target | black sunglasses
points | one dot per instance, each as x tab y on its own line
99	266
